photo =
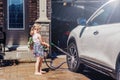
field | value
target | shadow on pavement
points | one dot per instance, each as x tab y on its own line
94	75
4	63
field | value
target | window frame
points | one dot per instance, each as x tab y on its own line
8	27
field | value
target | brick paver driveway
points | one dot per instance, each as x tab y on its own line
25	71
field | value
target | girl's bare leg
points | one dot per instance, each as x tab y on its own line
37	66
40	65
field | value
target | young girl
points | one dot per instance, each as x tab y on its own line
38	48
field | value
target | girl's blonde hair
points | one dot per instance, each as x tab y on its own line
35	26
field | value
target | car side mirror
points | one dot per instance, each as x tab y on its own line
81	21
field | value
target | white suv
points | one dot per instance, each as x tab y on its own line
97	43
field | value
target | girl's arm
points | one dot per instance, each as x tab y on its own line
42	42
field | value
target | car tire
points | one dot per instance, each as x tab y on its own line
73	62
118	71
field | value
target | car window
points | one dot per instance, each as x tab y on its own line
102	15
115	17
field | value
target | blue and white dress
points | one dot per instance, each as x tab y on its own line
37	47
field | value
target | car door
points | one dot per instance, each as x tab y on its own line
95	35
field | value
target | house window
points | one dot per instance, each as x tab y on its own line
15	9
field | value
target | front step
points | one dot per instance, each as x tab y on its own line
20	55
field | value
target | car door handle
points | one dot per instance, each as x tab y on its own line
96	32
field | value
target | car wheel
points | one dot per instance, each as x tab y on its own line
73	62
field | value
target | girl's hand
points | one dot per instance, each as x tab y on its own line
46	44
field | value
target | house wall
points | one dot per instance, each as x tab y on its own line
20	37
1	14
32	6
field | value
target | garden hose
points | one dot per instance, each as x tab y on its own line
61	50
50	65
